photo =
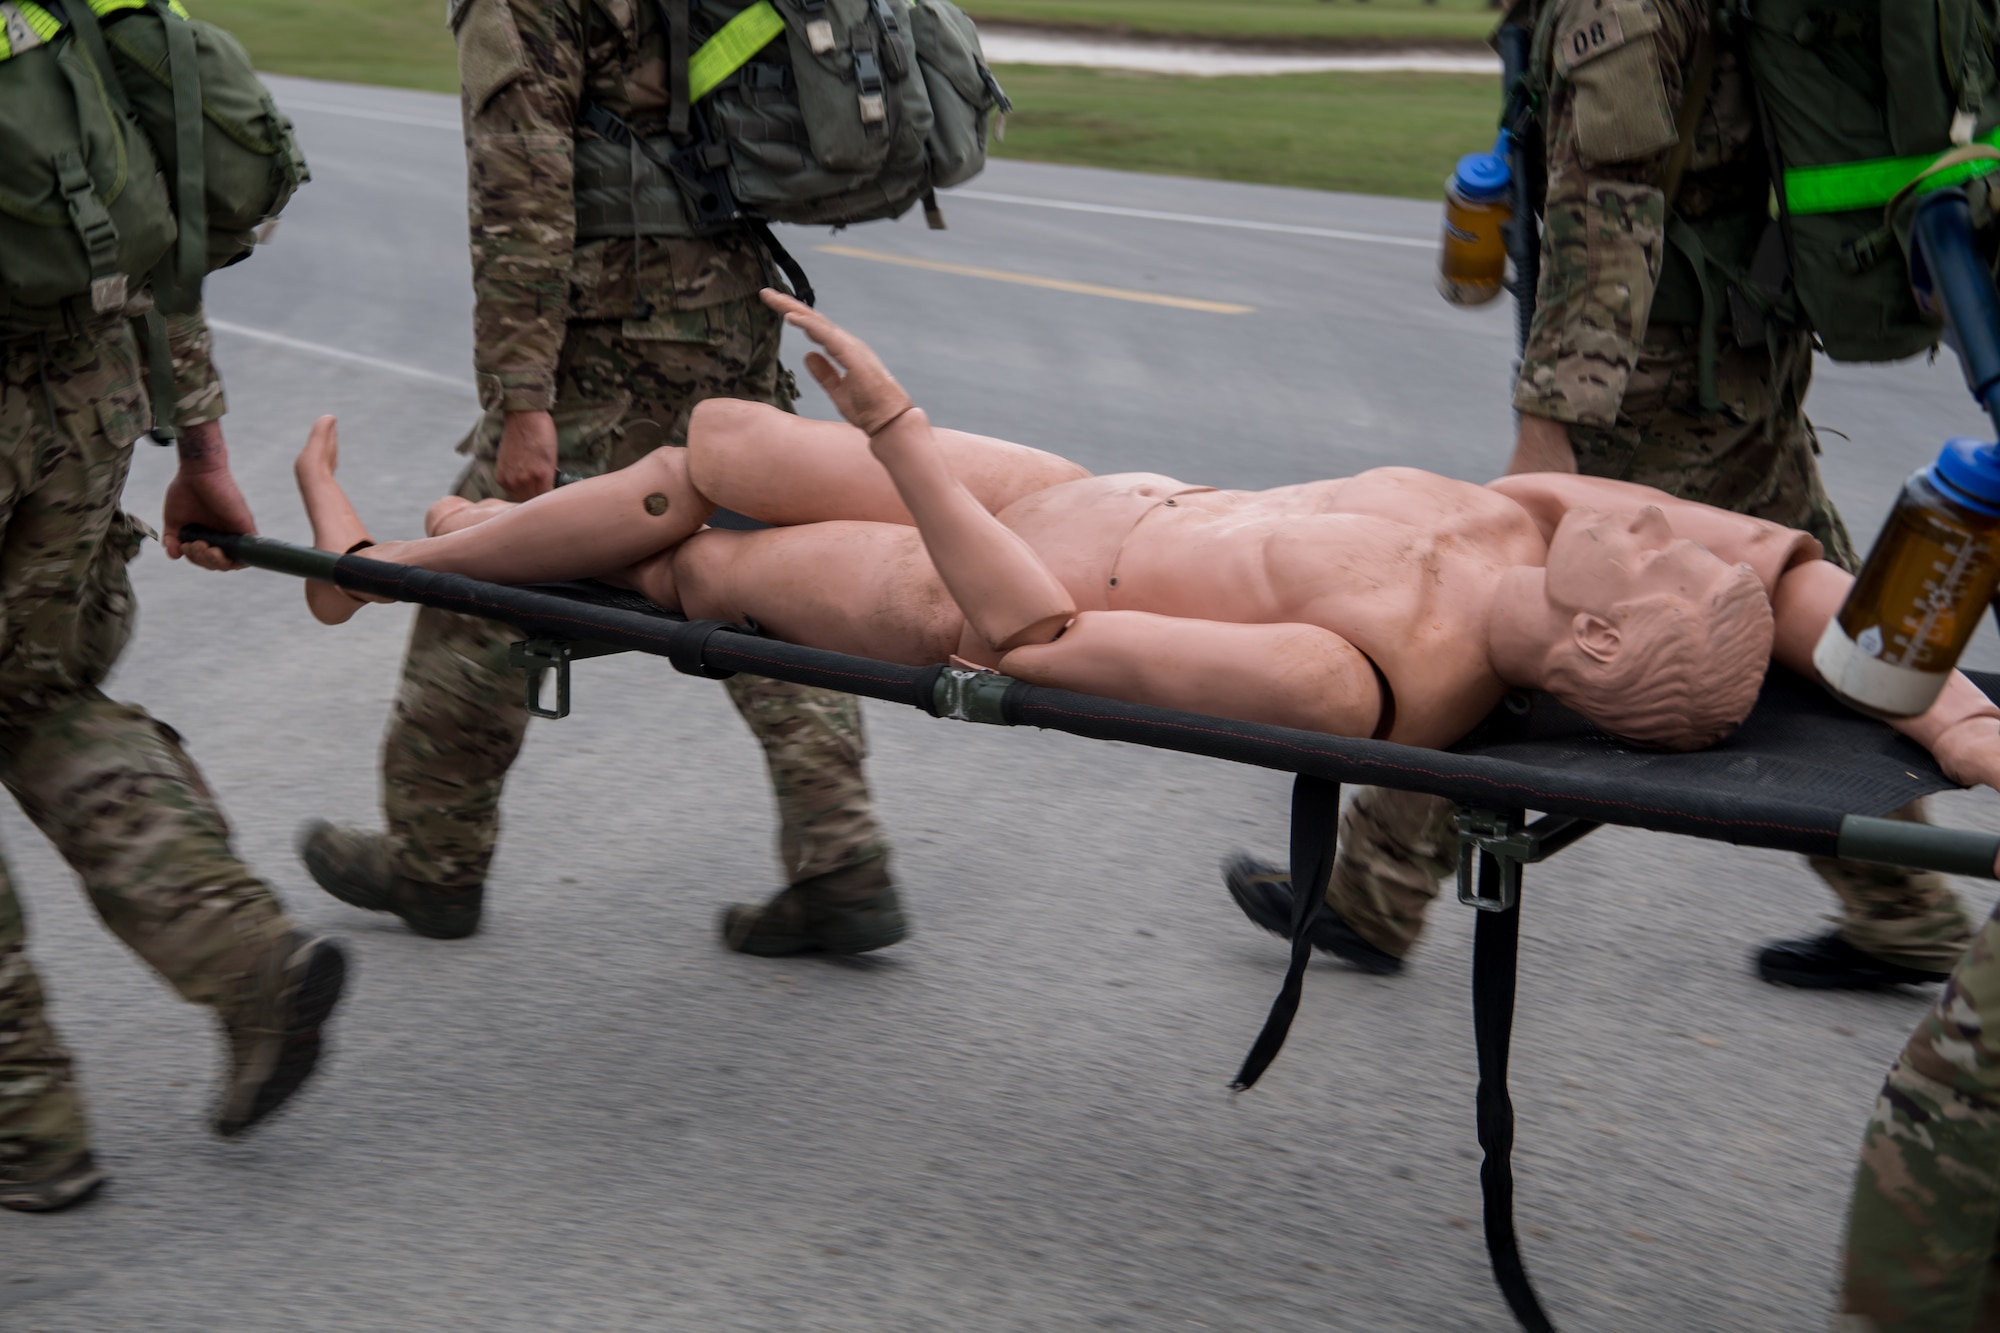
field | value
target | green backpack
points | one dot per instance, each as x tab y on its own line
231	155
1861	97
805	111
136	146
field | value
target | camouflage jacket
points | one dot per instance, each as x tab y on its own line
525	69
1614	73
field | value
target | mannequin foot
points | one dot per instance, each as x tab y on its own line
335	525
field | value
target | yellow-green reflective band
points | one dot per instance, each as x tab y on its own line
103	7
730	50
24	26
1846	186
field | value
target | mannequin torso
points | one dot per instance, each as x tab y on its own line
1401	564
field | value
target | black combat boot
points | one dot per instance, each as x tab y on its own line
51	1188
1829	962
852	910
274	1028
1264	892
353	865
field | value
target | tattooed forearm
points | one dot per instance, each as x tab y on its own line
201	447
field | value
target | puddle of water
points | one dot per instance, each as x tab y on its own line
1040	48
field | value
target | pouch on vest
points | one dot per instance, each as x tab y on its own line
803	111
1860	98
230	156
83	213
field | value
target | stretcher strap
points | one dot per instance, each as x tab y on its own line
1496	940
1315	833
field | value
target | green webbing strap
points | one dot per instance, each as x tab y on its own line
731	48
1846	186
152	330
190	187
94	228
105	8
1684	238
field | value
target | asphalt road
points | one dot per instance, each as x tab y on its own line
591	1117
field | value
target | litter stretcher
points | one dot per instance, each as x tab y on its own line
1803	774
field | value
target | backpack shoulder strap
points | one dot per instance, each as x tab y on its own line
1694	100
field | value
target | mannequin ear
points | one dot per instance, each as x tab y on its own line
1597	637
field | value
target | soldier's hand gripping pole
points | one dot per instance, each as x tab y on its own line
1524	241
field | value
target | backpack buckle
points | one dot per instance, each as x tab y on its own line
868	73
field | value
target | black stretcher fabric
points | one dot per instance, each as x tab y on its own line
1785	780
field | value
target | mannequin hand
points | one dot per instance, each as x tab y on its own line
857	381
1969	752
204	493
1541	445
526	466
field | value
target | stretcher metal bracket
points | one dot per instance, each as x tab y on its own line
1511	844
972	695
535	656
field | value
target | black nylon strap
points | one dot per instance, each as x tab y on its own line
1495	953
794	271
1315	833
680	48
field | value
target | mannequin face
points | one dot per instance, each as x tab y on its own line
1599	558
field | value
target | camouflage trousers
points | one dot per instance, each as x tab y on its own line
1923	1230
106	783
1756	457
460	716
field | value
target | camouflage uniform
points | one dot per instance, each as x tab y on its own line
107	784
1923	1233
619	339
1628	388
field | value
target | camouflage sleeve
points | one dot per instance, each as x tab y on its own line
1921	1229
520	78
1614	79
197	387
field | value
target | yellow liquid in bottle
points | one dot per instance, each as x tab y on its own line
1933	571
1472	262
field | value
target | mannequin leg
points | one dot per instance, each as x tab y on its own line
769	465
601	525
862	588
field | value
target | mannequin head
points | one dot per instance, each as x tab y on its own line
1652	638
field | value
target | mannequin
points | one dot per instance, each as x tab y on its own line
1396	603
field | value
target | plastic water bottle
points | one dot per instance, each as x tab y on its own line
1472	261
1933	572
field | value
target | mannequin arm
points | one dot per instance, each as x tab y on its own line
1282	675
1007	593
1961	730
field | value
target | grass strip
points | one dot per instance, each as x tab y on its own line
1284	22
1370	133
399	43
1367	133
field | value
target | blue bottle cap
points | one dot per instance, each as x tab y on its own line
1482	176
1970	470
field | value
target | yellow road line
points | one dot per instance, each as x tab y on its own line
1031	280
